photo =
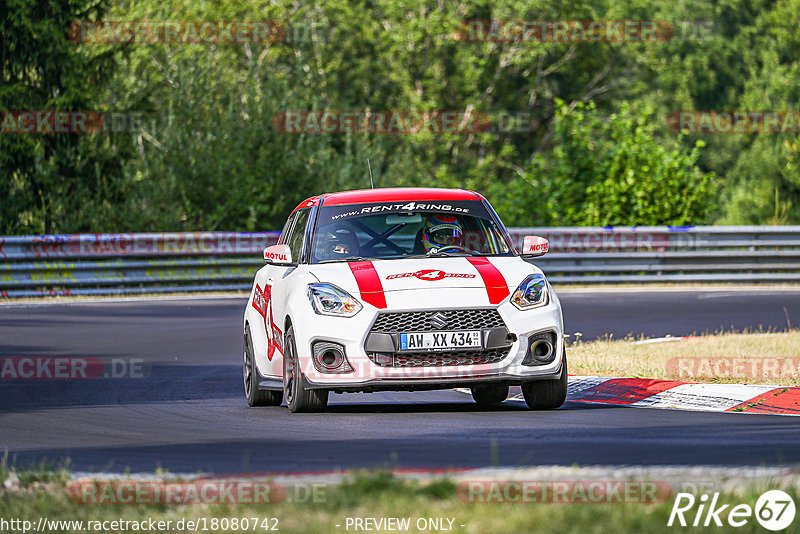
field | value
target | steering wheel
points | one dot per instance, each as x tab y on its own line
448	247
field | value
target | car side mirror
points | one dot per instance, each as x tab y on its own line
278	254
534	246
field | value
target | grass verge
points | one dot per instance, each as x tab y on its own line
740	358
367	495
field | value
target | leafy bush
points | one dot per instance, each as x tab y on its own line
611	170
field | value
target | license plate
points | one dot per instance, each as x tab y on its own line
433	341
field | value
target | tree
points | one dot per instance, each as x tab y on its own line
610	170
54	182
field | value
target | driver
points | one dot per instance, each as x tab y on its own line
441	230
340	244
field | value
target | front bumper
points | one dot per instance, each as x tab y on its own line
353	334
423	384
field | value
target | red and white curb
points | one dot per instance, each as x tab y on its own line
669	394
647	393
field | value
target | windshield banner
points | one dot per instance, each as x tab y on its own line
474	208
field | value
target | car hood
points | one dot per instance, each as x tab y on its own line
391	283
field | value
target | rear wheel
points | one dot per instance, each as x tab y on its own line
547	394
298	398
489	395
255	396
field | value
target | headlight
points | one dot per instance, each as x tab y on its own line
327	299
531	293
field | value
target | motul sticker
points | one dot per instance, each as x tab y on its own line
537	247
274	256
430	275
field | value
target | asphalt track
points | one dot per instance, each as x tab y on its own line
188	412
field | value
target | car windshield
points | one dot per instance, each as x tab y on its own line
404	230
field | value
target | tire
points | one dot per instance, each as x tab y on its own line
489	395
298	398
255	396
547	394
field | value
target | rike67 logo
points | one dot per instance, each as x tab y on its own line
774	510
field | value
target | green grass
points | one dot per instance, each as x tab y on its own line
43	472
4	469
760	358
374	494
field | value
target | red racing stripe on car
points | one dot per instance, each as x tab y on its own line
493	279
369	283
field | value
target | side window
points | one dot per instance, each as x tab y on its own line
297	233
284	237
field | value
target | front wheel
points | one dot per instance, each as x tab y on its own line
298	398
255	396
547	394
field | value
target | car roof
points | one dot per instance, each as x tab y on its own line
389	194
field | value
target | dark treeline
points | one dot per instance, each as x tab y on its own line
578	133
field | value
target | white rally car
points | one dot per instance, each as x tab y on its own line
401	289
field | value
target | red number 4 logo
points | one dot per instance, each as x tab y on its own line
261	298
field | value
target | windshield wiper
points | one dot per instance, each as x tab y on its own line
349	258
435	253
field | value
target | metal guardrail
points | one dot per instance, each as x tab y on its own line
769	254
101	264
98	264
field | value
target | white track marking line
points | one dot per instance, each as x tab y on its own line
704	397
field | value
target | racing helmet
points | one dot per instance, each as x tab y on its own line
339	244
441	230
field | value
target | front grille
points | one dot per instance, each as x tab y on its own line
423	321
438	321
439	359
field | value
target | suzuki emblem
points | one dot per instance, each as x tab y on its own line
439	320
